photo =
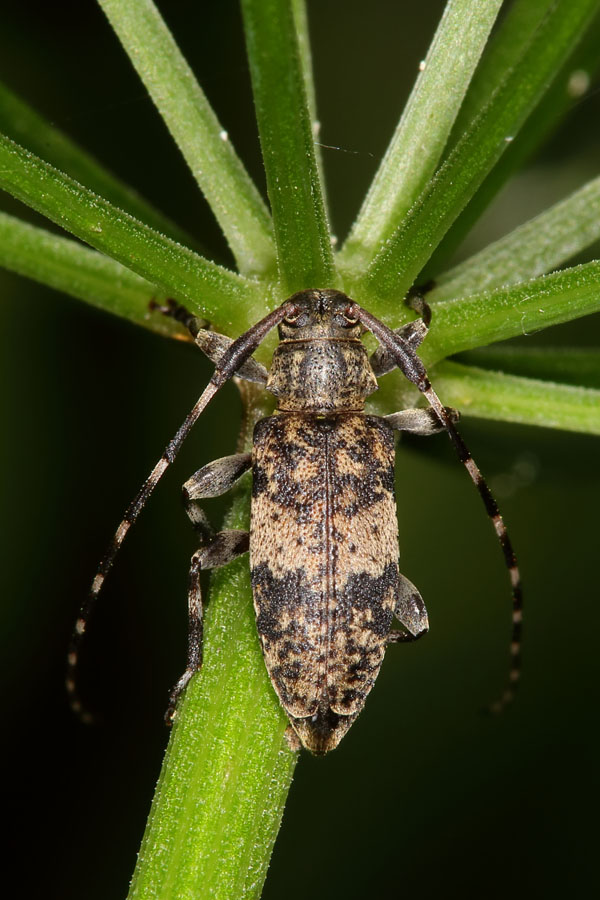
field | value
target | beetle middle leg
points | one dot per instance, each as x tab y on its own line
421	421
215	550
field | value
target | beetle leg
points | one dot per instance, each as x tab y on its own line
292	739
214	346
211	343
410	612
174	310
216	550
212	480
221	549
230	362
403	637
413	334
421	421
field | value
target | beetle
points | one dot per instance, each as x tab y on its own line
323	540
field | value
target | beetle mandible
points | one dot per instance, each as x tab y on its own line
323	539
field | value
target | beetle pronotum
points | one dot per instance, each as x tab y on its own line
323	540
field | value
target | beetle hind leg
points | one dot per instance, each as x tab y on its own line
410	612
221	549
292	739
215	550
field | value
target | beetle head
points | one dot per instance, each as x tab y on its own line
318	314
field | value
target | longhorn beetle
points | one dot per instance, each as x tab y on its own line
323	539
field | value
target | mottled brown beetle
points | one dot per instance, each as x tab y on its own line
324	537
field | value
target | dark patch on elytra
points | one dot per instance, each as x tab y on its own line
362	592
364	490
260	480
290	595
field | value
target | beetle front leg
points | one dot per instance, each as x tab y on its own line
382	361
212	344
413	334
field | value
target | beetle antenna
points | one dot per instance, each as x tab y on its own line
233	358
413	368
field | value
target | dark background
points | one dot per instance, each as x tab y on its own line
424	795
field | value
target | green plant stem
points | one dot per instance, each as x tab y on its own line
579	366
506	46
74	269
229	300
228	768
302	235
25	126
536	247
305	55
399	262
232	196
481	319
423	130
496	395
549	113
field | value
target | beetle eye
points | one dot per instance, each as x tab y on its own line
293	315
349	316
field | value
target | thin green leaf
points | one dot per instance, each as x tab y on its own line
578	366
205	146
490	394
25	126
227	299
506	46
79	271
228	768
301	231
303	36
536	247
423	130
564	93
481	319
495	395
397	265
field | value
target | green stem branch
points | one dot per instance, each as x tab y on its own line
230	300
302	235
204	143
